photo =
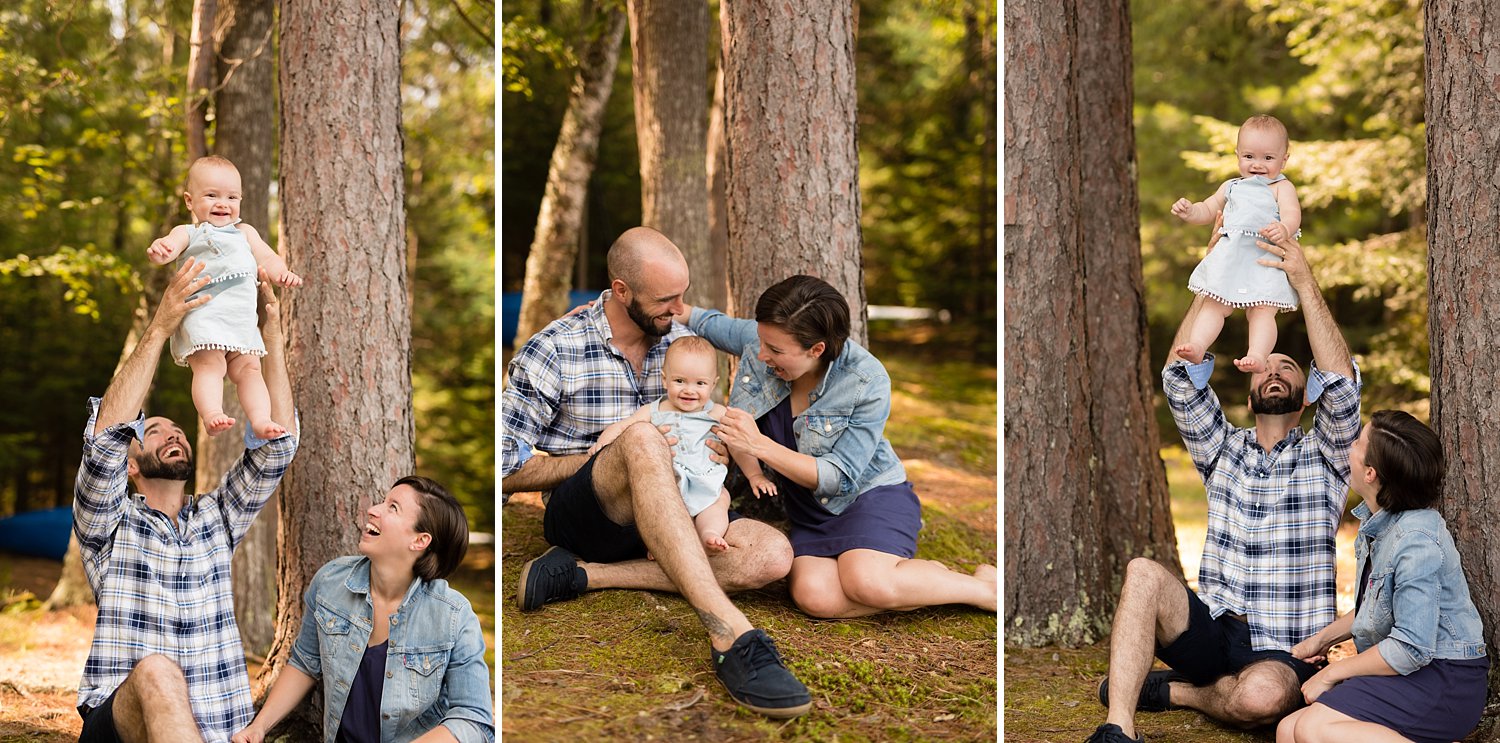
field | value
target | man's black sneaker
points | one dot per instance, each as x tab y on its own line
755	676
555	576
1154	692
1111	733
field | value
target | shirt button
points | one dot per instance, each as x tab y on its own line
395	621
353	646
745	378
827	426
825	501
390	675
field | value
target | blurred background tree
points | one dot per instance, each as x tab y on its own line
91	161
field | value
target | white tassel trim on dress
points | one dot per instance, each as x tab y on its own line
182	360
1240	305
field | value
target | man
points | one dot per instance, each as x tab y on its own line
1266	582
566	384
166	662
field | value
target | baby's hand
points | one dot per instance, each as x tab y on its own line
762	485
159	252
286	278
1275	232
1182	208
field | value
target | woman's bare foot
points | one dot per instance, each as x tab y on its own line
1191	352
1251	364
267	429
217	423
714	542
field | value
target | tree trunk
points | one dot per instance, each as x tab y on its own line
793	159
200	77
1464	287
1083	497
669	67
550	262
718	207
245	134
349	326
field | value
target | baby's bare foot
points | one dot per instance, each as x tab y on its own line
217	423
1191	352
715	542
986	573
1251	364
267	429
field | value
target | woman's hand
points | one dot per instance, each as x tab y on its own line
1312	650
737	429
1315	686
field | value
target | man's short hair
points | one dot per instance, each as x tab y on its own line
1408	458
443	517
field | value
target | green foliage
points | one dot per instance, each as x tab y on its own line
1346	78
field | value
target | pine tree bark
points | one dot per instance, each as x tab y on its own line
1463	154
549	265
669	70
1085	487
349	325
792	155
200	77
245	134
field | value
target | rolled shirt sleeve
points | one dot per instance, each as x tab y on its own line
528	404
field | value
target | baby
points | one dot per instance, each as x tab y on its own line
690	375
1260	203
221	337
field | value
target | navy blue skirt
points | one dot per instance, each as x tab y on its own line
885	519
1439	702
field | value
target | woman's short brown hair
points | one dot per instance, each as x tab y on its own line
1408	458
808	309
443	517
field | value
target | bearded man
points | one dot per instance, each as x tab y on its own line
166	662
1275	496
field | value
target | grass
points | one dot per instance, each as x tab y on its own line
635	665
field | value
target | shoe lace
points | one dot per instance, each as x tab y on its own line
760	652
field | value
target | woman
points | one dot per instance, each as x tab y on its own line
812	405
400	653
1421	669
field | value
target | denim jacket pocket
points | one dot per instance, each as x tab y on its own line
425	669
333	633
820	433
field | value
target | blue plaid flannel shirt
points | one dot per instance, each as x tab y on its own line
164	588
1272	516
568	383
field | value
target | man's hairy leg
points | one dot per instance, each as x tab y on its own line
635	483
1260	694
151	706
758	554
1153	611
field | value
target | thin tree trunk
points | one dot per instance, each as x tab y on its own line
669	68
200	77
245	134
1463	154
717	273
349	325
793	159
1085	487
550	262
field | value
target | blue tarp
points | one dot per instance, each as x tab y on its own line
510	311
37	533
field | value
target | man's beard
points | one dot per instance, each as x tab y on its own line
644	321
152	468
1290	403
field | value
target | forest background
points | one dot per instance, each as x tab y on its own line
92	160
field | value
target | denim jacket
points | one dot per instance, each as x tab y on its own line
1416	604
435	669
844	424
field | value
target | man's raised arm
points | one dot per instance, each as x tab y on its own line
126	395
274	369
1330	350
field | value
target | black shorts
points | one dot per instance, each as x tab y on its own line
575	521
1211	648
99	722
